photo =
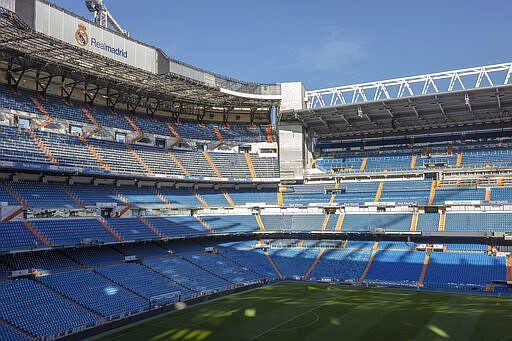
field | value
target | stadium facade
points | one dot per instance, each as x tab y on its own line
130	181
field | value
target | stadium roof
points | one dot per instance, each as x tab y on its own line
23	49
466	99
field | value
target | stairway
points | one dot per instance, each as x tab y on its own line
70	300
325	221
459	159
333	194
72	196
13	194
250	165
424	268
274	265
198	197
206	226
305	277
123	200
260	222
414	222
110	229
367	268
363	164
36	233
280	189
43	110
379	192
177	162
42	147
134	126
93	121
442	220
162	198
94	153
432	192
228	198
173	131
339	222
138	158
148	225
211	163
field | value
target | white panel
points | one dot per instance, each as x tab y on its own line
9	4
55	21
68	26
43	13
291	150
293	96
65	27
186	71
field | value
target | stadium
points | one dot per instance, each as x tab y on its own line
145	198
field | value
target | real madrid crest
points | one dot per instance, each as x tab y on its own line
81	35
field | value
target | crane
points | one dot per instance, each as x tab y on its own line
102	16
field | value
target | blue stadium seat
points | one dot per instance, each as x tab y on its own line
463	269
96	293
38	311
144	282
224	268
353	263
293	263
399	267
188	275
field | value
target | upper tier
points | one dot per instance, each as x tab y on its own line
48	145
58	109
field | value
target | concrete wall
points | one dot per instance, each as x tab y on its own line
291	150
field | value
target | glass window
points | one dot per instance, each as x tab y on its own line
23	123
75	130
121	137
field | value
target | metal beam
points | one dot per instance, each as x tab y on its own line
440	106
447	81
47	53
413	106
498	98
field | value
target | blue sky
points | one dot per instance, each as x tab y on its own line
322	43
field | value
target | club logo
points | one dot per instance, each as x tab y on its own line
81	36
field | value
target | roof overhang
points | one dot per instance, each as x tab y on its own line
473	109
42	53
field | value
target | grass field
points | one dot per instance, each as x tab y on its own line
304	311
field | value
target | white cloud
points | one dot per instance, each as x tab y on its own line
333	48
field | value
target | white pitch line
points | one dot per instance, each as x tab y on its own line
285	322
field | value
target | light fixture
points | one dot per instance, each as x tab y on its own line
359	111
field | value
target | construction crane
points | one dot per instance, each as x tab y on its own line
102	16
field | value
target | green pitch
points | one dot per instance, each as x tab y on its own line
304	311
